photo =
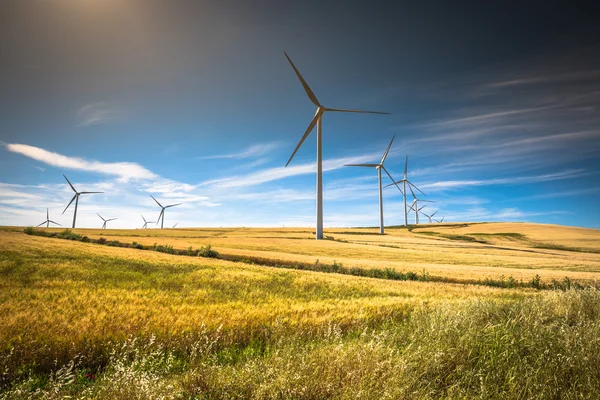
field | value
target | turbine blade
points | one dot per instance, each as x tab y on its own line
173	205
69	204
41	224
308	130
309	92
387	150
89	192
160	205
395	183
112	219
411	184
355	111
413	193
70	183
434	213
160	215
55	223
47	214
388	174
406	167
100	217
144	219
422	207
361	165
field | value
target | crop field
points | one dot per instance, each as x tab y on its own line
474	310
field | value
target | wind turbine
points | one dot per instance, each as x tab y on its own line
379	167
105	220
429	216
76	198
440	221
145	226
162	211
416	209
317	121
48	221
404	181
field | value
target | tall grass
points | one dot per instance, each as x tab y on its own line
545	347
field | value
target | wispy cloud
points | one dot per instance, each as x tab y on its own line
488	116
124	170
272	174
568	174
252	151
100	112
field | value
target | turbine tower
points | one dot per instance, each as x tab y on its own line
105	220
145	226
317	121
76	198
379	167
162	211
404	181
48	221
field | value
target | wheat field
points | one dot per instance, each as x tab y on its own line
91	320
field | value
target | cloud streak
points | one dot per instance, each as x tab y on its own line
568	174
252	151
98	113
124	170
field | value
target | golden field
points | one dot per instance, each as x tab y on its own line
461	251
88	320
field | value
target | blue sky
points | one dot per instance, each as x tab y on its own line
496	106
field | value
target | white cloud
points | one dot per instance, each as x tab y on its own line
100	112
252	151
272	174
124	170
568	174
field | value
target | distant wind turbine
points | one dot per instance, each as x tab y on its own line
105	220
379	167
429	216
317	121
404	181
162	212
440	221
416	209
145	226
76	198
48	221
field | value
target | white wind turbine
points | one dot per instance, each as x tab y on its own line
48	221
105	220
415	207
317	121
162	211
145	226
429	216
379	167
404	181
76	198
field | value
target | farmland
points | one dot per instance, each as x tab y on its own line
88	320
